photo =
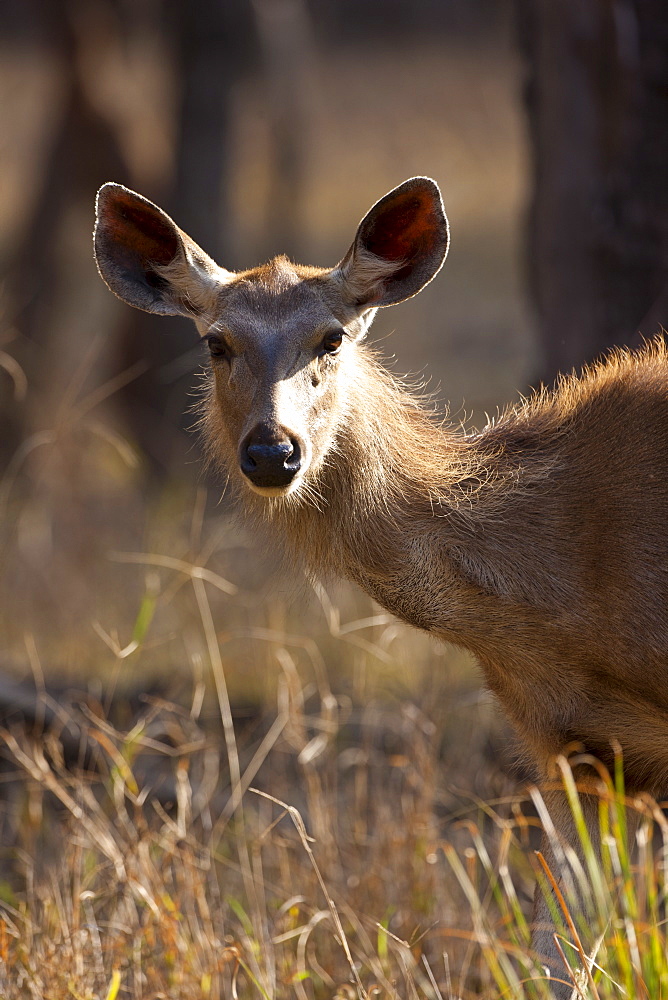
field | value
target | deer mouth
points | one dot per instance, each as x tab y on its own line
273	491
269	489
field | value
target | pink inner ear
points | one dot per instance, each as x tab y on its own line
405	229
140	229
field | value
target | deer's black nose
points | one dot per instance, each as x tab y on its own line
269	457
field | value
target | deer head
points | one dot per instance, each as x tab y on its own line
282	338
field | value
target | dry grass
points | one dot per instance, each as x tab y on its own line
171	885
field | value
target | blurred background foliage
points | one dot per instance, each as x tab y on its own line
267	126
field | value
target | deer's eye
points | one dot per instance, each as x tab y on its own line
332	342
217	347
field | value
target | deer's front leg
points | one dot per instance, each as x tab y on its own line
563	851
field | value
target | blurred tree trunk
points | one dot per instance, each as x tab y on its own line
84	148
214	47
288	48
597	103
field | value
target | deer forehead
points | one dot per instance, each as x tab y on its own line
277	305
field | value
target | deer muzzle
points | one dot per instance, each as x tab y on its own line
270	457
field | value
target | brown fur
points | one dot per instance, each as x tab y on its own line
539	544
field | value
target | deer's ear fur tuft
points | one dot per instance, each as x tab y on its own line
147	260
399	246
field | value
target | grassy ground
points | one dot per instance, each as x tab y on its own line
174	871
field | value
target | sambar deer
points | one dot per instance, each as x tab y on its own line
540	543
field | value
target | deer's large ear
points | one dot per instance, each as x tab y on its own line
147	260
399	246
